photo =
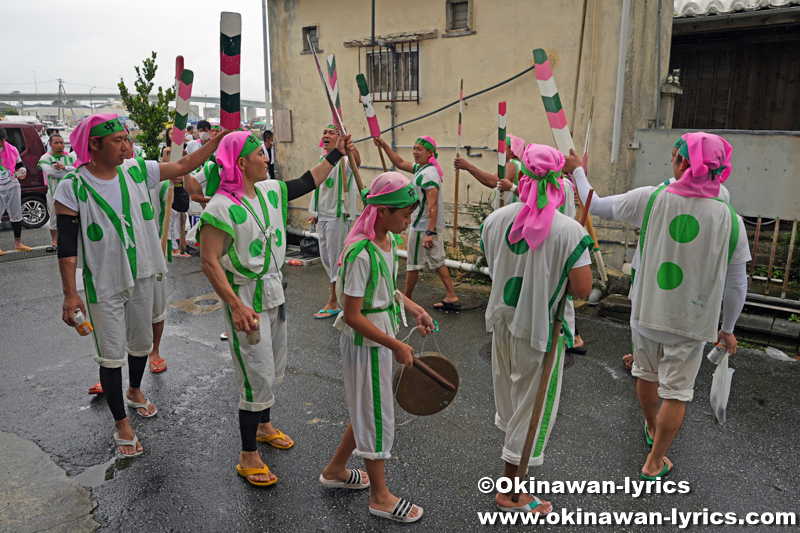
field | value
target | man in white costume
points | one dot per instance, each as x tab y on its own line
534	254
55	164
105	217
690	264
243	246
329	211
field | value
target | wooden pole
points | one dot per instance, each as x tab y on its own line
171	190
458	154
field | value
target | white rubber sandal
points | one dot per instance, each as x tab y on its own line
122	442
145	406
355	481
400	513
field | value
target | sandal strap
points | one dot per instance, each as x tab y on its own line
355	478
123	442
402	508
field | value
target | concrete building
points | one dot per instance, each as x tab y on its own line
433	45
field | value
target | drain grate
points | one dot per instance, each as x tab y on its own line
36	253
468	303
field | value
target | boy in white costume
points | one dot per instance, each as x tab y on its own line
105	206
11	171
372	309
243	245
425	240
328	209
55	164
691	262
532	250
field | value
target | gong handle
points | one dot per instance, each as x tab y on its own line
434	375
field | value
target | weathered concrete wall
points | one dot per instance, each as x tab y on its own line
581	38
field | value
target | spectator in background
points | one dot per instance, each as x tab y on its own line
269	149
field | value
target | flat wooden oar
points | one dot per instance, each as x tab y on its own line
434	375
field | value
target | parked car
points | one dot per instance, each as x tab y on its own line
26	140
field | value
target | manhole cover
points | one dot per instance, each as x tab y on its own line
468	303
36	253
207	301
486	353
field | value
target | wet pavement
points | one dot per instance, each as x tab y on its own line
186	480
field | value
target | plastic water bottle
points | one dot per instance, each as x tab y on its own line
254	337
294	262
717	353
84	327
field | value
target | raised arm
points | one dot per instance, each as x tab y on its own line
192	161
490	180
396	160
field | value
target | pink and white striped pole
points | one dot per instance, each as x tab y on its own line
501	152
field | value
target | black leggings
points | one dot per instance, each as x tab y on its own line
17	227
111	381
248	426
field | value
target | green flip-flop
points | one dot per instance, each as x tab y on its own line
661	474
647	435
327	313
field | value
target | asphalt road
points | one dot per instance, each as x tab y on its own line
186	480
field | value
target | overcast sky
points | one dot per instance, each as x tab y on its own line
95	42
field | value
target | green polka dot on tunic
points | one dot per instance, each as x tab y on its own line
669	276
272	196
82	194
684	228
329	183
518	248
238	214
511	291
256	248
147	211
94	232
278	237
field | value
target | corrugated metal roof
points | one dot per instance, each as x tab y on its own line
695	8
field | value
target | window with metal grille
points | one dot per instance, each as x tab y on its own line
459	15
310	31
393	72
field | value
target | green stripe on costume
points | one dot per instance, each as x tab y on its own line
552	395
248	391
376	399
585	243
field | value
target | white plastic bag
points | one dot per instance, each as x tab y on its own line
721	388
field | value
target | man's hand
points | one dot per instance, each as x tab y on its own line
404	354
71	303
730	341
461	163
21	174
59	166
313	220
572	162
345	143
504	185
244	318
428	242
379	142
424	324
177	181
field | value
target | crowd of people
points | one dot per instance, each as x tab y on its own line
109	205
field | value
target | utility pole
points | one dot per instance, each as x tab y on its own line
61	117
267	106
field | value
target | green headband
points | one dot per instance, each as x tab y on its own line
683	148
400	198
216	127
331	127
541	194
106	128
429	146
250	146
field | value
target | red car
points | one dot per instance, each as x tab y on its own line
34	191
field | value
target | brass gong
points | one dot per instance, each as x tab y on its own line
419	394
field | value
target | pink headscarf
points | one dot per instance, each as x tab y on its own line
709	165
9	157
432	160
79	139
231	180
517	144
364	227
541	191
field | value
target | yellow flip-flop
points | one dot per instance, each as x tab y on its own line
24	248
275	436
244	472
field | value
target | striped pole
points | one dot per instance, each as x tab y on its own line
458	154
230	61
337	118
183	93
333	78
501	152
369	111
560	128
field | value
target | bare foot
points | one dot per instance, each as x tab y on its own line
342	475
253	460
578	342
135	395
125	431
269	429
387	503
504	500
654	470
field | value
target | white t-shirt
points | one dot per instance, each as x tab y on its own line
426	177
108	189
